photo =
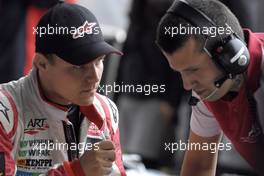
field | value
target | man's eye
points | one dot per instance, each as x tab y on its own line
194	70
76	67
191	71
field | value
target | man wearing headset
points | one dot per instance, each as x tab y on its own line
225	76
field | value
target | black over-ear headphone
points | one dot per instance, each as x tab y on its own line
233	58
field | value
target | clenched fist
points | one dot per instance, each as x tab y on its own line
98	162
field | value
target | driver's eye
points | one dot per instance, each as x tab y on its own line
77	67
194	69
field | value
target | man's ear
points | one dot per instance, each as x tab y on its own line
40	62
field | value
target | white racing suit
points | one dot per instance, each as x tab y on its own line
36	135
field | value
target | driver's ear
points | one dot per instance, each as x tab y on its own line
41	62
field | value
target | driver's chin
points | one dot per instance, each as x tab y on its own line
87	102
84	101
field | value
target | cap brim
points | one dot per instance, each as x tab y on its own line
87	53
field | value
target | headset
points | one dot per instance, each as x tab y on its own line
229	54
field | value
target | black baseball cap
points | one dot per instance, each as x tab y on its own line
73	33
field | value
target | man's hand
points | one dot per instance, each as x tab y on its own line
98	162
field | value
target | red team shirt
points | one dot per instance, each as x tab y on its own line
233	116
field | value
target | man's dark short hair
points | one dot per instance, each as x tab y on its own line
214	9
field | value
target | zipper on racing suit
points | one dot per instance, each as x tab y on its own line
72	131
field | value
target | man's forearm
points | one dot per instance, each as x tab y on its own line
199	166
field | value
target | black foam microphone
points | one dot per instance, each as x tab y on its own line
218	83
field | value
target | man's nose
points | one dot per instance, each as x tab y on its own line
188	83
93	73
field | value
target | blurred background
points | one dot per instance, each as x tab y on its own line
147	121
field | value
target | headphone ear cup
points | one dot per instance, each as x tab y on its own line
234	57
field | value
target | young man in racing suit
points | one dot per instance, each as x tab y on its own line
223	66
52	121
